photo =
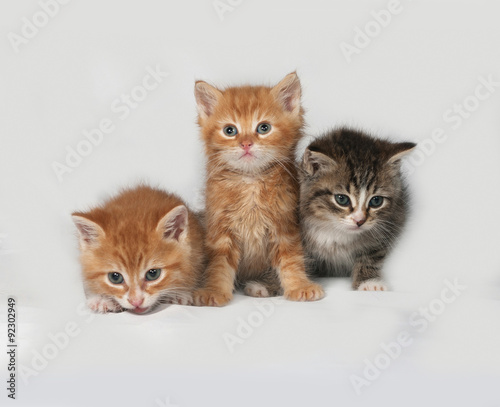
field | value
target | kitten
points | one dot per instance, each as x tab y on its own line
138	249
353	204
253	236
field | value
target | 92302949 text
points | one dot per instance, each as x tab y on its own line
11	348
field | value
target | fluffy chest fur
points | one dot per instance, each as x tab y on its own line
353	202
252	210
331	252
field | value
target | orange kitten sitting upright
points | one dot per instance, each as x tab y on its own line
253	240
140	248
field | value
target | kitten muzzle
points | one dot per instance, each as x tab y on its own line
139	310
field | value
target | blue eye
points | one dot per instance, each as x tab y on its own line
263	128
376	201
115	278
342	200
153	274
230	131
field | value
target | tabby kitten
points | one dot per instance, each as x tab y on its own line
353	204
252	192
138	249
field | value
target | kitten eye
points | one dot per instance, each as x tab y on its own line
342	200
115	278
153	274
263	128
376	201
230	131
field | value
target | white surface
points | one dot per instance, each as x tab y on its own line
65	80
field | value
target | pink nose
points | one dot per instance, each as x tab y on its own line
360	222
136	302
359	218
245	145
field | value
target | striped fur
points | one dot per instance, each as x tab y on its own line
253	234
354	239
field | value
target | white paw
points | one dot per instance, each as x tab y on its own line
102	305
255	289
373	284
181	299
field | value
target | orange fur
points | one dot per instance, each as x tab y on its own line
251	201
139	230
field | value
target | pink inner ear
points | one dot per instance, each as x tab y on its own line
175	228
88	233
206	97
287	102
288	92
208	103
290	98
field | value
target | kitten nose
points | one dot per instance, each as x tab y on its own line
245	145
359	218
136	302
360	222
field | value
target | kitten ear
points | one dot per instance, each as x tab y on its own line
399	150
207	98
288	92
90	232
174	224
314	161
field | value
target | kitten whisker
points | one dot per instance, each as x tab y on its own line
346	164
131	244
281	162
238	185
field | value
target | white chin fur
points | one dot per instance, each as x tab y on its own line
351	227
246	164
329	233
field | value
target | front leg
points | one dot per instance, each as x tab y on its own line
288	259
220	273
367	270
102	304
180	298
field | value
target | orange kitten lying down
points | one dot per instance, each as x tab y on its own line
140	248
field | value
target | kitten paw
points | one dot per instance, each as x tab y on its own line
103	305
211	298
254	289
307	292
184	299
373	284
